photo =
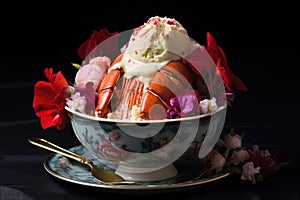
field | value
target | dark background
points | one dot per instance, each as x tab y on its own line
261	43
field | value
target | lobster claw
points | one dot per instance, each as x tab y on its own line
106	88
153	107
171	81
105	92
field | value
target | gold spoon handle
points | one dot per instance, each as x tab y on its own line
102	175
52	147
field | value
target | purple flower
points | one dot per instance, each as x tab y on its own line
184	105
83	99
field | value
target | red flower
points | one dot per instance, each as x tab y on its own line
96	38
49	100
232	83
264	160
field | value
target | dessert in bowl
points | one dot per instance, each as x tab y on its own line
158	97
147	111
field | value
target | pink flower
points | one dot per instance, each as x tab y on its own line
93	72
232	141
249	172
252	164
240	156
217	161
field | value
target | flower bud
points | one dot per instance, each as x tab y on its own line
232	141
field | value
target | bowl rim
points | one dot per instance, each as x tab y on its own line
95	118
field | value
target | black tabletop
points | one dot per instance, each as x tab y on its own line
262	50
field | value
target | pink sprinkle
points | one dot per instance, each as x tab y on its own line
171	22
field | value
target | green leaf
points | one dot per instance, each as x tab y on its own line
77	66
258	177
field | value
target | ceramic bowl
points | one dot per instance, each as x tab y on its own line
146	150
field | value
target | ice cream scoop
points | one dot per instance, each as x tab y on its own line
158	40
152	46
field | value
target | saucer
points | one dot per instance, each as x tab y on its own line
75	172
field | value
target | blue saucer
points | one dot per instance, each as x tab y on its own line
72	171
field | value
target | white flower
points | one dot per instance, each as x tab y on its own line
77	102
208	105
249	172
